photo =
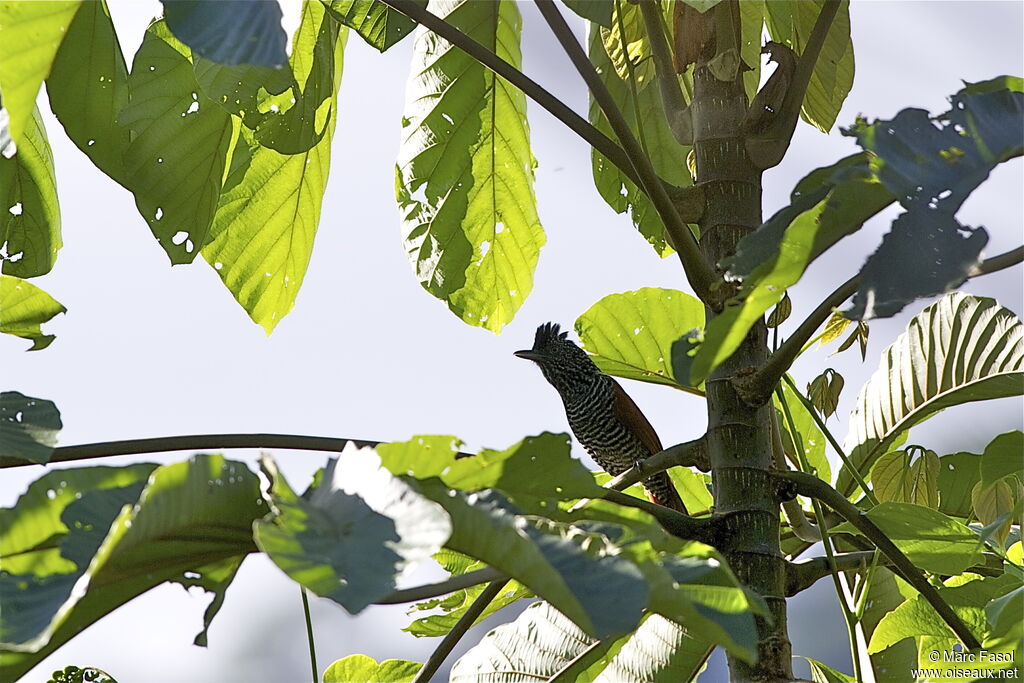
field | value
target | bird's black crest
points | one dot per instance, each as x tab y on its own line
547	333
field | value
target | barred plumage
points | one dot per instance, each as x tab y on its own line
604	419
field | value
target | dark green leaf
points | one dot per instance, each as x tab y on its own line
597	11
958	473
781	312
28	427
367	670
631	334
88	88
180	142
827	205
33	32
379	25
24	308
1003	457
959	349
29	213
791	23
824	390
359	532
229	31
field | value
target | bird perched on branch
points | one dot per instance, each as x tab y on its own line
601	414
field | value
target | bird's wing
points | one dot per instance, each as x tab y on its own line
628	413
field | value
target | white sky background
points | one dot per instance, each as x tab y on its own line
147	350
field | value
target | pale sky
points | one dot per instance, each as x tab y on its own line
147	350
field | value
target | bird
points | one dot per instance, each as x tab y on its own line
602	416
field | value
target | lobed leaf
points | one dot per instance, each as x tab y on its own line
959	349
464	177
24	308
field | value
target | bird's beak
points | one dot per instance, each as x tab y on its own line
528	354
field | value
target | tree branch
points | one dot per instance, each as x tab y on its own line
677	112
699	274
798	522
811	486
802	575
449	585
576	123
676	523
688	454
464	623
768	149
756	388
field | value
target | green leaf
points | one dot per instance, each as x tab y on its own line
24	308
29	212
180	142
791	23
958	473
821	673
930	539
959	349
993	506
932	165
30	34
1003	615
464	177
88	88
626	44
513	470
895	479
631	334
122	543
811	438
262	234
826	205
915	617
645	114
379	25
229	31
1002	457
823	391
360	531
28	427
363	668
597	11
579	572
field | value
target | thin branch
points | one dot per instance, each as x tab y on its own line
811	486
798	522
802	575
309	635
450	585
464	623
576	123
699	273
688	454
676	523
756	388
677	112
192	442
776	140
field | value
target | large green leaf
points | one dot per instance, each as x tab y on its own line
631	334
229	31
958	473
363	668
269	210
808	437
791	23
464	179
645	114
579	571
959	349
931	540
180	142
29	213
30	34
826	205
120	543
28	428
359	532
24	308
1002	457
379	25
932	165
597	11
88	88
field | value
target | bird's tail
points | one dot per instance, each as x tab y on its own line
661	491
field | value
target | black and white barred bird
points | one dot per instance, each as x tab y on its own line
605	420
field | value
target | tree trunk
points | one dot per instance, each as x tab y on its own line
739	436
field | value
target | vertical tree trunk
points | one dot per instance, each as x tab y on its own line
739	436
